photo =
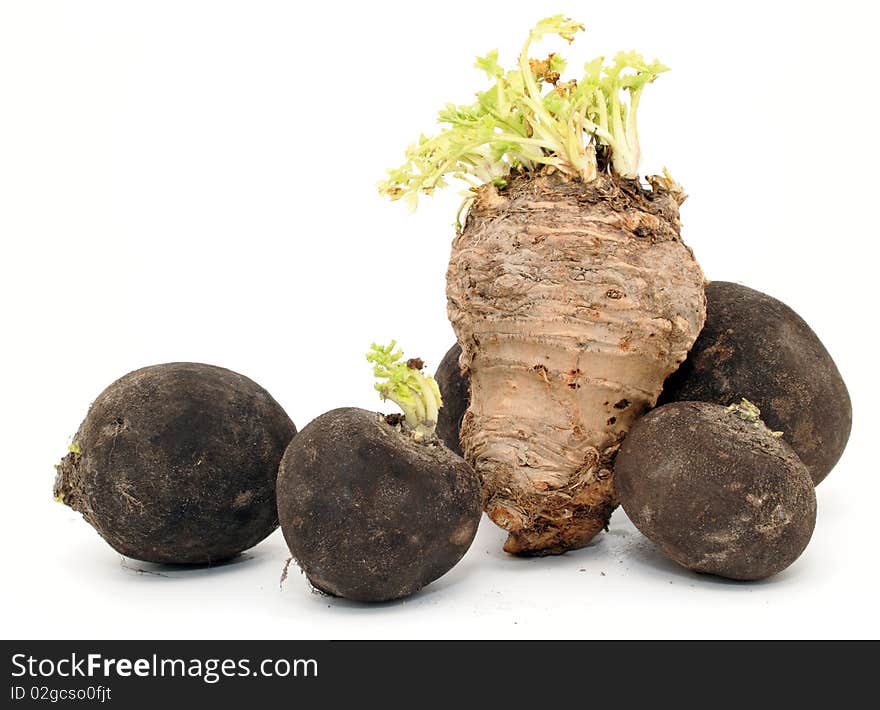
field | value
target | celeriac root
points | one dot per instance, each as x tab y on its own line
572	301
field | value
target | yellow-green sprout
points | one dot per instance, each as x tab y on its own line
748	412
529	118
403	382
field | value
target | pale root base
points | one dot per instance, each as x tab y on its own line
572	302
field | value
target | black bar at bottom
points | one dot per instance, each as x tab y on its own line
133	674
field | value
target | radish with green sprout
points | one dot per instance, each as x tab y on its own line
569	288
373	508
716	489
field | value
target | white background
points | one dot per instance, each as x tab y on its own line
196	181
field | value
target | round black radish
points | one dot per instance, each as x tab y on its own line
454	391
716	492
370	513
756	347
177	463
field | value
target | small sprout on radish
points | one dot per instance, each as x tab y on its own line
712	490
74	452
748	412
403	382
373	511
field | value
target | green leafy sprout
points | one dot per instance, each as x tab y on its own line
530	118
403	382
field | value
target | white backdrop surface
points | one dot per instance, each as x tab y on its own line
196	181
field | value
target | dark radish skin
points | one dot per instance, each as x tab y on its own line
370	512
716	490
177	464
754	346
454	387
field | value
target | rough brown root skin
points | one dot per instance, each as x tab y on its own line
572	303
66	489
584	515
